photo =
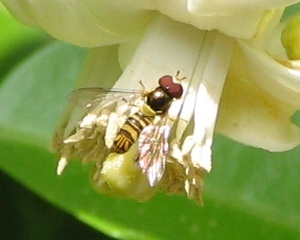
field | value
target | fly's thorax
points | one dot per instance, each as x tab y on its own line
159	100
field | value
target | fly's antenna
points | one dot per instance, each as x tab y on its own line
143	87
177	76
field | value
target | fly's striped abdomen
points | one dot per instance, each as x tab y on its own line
130	131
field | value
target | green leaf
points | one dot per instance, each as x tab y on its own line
251	194
291	10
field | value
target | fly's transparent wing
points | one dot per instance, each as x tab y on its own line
153	151
85	122
90	123
93	101
101	97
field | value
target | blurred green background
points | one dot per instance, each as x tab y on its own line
25	215
251	194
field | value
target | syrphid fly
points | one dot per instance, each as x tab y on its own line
125	118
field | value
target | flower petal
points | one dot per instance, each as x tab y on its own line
278	80
224	7
180	45
100	22
84	23
197	147
255	116
229	24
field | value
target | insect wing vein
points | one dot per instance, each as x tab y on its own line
153	151
101	97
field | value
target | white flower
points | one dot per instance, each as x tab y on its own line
259	97
102	22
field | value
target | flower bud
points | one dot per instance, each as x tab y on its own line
290	38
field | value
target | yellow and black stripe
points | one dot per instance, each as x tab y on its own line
130	131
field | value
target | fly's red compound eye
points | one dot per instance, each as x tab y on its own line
166	81
174	90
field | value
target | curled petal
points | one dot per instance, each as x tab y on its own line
278	80
255	116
